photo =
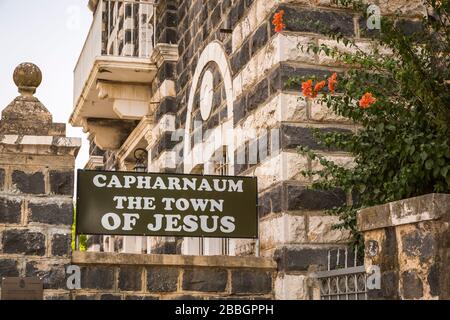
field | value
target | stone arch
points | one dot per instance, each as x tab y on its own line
214	52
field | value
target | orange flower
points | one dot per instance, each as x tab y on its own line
307	89
367	100
319	86
278	21
332	82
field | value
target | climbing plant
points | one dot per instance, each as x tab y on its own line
397	93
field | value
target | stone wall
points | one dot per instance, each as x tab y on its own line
410	241
112	276
36	189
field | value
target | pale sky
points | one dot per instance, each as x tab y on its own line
51	34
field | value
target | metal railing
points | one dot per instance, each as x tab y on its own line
121	28
344	278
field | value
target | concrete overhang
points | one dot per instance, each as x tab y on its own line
116	88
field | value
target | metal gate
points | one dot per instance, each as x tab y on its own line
345	277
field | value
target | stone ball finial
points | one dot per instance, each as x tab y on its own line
27	77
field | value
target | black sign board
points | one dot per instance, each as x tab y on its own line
141	204
22	289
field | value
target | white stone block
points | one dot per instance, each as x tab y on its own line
365	46
320	230
165	124
292	165
290	48
237	86
9	139
293	107
37	140
280	167
290	287
242	247
167	89
236	37
320	112
167	159
345	161
282	229
269	172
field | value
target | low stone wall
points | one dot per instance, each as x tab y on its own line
409	240
113	276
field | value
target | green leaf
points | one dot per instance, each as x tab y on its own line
391	127
423	156
429	164
380	127
444	171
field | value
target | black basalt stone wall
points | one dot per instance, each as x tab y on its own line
201	22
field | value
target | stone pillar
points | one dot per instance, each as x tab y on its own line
164	102
37	163
409	240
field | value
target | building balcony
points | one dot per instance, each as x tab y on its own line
114	72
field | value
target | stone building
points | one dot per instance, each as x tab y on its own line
201	85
